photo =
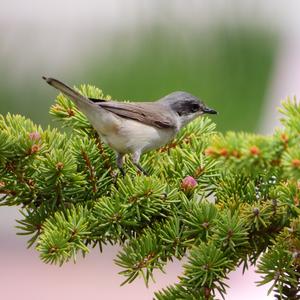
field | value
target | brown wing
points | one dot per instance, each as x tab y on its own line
145	113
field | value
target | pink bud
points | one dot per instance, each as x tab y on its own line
34	136
188	183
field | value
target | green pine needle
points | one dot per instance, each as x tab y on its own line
242	204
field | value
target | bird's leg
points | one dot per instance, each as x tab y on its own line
135	159
120	163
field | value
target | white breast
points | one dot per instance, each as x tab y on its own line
125	135
132	136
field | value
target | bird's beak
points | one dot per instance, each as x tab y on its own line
207	110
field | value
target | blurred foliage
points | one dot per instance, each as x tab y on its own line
229	68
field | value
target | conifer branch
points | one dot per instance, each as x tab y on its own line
220	199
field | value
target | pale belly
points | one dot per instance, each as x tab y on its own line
129	136
132	136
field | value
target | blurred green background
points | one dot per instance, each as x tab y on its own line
228	67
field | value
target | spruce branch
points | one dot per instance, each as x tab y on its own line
220	200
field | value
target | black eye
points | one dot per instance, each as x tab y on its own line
195	107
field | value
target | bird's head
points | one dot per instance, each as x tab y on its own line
186	106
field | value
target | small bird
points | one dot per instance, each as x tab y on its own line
138	127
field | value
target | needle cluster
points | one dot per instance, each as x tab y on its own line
221	200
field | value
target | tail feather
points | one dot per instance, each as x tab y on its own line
101	119
79	99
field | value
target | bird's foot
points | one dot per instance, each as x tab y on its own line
140	168
122	171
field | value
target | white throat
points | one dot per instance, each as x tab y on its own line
185	119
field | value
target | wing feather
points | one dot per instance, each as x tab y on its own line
146	113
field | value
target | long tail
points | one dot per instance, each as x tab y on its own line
81	101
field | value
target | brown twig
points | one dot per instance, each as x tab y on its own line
92	176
